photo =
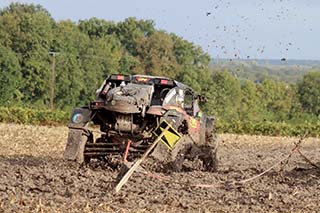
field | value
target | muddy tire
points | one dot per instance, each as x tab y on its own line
210	147
209	159
177	159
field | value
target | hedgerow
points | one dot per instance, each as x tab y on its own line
269	128
56	117
33	116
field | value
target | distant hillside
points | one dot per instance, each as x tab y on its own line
289	71
275	62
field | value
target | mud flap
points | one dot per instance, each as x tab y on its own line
75	146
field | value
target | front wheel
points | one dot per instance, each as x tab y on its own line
210	147
209	158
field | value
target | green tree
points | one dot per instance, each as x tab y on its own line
224	95
68	82
157	55
97	28
309	93
193	64
132	30
29	34
10	78
250	109
129	64
69	78
276	99
100	58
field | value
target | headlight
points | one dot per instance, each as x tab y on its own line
77	118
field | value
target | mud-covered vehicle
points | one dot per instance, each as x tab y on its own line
132	111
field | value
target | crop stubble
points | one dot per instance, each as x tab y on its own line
34	177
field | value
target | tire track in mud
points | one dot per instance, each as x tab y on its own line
34	177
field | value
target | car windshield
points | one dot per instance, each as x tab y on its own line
174	97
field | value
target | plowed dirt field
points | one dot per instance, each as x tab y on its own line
33	177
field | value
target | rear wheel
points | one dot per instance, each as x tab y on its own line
210	147
179	155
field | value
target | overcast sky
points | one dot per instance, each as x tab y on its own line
267	29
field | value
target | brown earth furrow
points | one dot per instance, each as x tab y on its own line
34	177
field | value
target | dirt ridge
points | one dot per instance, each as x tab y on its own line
34	177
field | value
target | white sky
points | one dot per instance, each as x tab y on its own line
269	29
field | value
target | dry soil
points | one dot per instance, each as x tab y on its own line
34	177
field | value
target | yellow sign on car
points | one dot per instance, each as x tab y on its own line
171	137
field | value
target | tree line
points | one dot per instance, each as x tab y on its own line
83	53
289	71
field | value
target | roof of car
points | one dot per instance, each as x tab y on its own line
151	76
177	83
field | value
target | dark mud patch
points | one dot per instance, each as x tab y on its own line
34	178
35	183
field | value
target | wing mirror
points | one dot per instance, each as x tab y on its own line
202	98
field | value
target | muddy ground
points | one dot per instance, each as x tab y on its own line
33	177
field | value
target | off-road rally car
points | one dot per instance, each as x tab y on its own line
132	112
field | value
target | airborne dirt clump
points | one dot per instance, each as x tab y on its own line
34	177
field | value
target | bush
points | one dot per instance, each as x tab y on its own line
49	117
33	116
269	128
